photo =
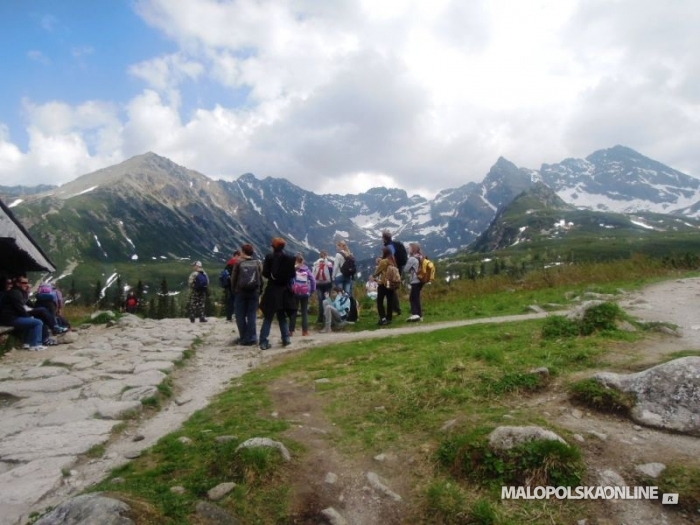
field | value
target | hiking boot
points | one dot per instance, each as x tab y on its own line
383	322
286	342
191	319
306	332
413	318
37	348
291	334
59	330
203	320
25	347
50	342
265	346
326	330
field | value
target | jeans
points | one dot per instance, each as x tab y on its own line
267	325
32	328
346	283
414	299
304	307
382	292
246	316
321	290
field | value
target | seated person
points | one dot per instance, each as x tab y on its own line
371	288
336	308
14	313
49	296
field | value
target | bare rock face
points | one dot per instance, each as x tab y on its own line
668	395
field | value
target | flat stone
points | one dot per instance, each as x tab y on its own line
653	470
53	441
220	490
117	409
150	378
49	384
139	393
44	371
165	366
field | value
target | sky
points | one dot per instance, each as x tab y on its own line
339	96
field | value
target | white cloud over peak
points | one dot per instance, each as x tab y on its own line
422	94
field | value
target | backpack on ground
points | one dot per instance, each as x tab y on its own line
400	255
393	277
201	282
348	268
322	271
426	270
248	275
301	284
225	278
353	313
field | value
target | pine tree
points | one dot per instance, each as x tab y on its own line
163	295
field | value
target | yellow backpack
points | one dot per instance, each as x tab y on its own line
426	271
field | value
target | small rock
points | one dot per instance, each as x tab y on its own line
211	514
118	481
323	380
331	478
132	454
377	485
448	425
179	401
184	440
266	442
225	439
579	438
138	437
653	470
220	490
577	413
380	457
599	435
333	516
178	489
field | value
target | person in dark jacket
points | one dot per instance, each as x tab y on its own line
246	295
13	313
278	298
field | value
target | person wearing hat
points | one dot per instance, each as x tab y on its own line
198	282
278	298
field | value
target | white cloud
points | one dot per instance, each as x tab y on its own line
424	95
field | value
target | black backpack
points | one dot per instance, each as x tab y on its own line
348	268
248	275
400	254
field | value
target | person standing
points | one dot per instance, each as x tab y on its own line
246	285
415	258
339	278
198	282
303	286
323	271
13	313
277	299
229	296
383	290
398	251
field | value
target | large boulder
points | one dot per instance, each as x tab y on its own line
667	395
88	509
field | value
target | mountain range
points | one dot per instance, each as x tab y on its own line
148	208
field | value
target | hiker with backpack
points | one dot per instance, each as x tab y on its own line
389	278
131	303
412	269
303	286
246	287
344	268
323	272
277	299
398	250
198	282
225	283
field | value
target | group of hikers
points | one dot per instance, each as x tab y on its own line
281	286
38	318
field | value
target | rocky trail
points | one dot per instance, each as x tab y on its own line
61	405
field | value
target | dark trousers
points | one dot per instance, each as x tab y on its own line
246	317
303	306
230	303
321	290
384	292
414	299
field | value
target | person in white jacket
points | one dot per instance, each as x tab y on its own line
415	258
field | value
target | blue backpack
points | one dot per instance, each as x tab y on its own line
201	282
225	278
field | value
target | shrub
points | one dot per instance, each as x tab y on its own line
538	462
558	326
600	318
594	394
